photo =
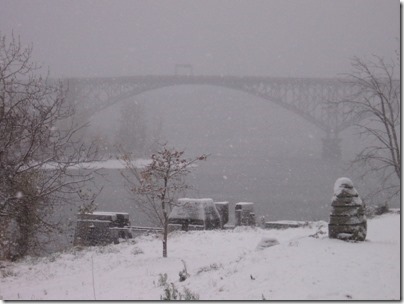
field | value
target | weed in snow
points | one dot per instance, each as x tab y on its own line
136	251
171	291
211	267
5	273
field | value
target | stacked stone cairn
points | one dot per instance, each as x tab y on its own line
347	218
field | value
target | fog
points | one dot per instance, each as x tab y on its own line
289	38
258	151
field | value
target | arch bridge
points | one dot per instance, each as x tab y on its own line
313	99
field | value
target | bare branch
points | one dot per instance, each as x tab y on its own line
159	183
377	102
37	151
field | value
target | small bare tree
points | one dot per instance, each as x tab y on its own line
159	183
36	152
376	104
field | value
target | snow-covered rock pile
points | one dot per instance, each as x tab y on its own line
347	218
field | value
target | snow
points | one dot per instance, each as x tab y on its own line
344	184
266	242
193	208
223	265
108	213
246	206
285	222
245	203
222	203
19	195
183	201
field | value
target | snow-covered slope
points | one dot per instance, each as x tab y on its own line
223	265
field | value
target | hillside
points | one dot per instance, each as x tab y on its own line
223	265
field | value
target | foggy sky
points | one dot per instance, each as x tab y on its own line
290	38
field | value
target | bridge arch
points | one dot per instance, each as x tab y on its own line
307	98
311	119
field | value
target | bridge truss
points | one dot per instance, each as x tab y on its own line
314	99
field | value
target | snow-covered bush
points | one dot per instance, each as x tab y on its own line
171	291
372	211
163	277
5	273
106	249
189	295
136	251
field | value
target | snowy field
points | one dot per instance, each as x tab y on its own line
223	265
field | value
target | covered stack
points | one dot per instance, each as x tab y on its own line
347	218
245	215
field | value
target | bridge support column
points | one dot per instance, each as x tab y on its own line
331	147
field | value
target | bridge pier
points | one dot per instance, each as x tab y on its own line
331	147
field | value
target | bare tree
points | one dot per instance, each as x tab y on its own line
37	151
159	183
376	104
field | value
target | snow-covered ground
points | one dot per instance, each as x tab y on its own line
223	265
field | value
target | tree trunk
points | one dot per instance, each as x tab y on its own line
165	234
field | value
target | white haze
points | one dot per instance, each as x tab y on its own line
289	38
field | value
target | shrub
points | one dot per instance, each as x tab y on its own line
372	211
136	251
171	292
162	280
189	295
5	273
183	273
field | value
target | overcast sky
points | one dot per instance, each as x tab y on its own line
291	38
